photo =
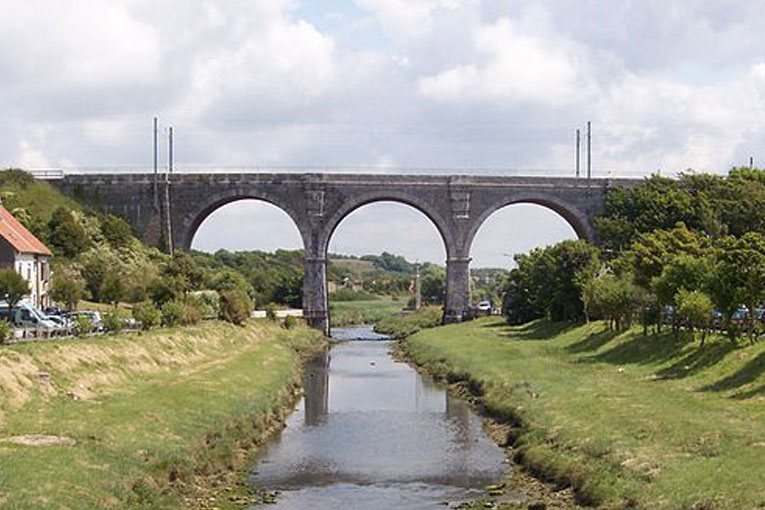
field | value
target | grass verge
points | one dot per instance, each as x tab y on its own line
159	419
628	421
347	313
403	325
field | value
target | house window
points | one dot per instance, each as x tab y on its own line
29	273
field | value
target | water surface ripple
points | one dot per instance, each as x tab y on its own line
371	433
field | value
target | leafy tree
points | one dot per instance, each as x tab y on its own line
94	272
744	260
68	290
695	307
116	231
147	314
433	284
66	235
112	289
13	287
616	297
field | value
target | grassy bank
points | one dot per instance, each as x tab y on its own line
628	421
403	325
156	418
346	313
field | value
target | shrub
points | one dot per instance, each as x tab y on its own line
172	313
207	302
114	320
190	314
66	235
147	314
6	332
116	230
83	325
235	306
290	322
271	312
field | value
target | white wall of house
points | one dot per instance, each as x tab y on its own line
35	269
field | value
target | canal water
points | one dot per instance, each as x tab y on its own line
371	433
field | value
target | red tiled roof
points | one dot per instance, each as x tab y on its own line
18	236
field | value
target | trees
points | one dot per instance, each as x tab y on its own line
616	297
116	230
67	290
66	235
695	309
547	282
742	268
13	287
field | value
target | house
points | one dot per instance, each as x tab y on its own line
22	251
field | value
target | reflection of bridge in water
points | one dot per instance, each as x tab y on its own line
456	204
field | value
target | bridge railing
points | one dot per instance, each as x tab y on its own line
60	173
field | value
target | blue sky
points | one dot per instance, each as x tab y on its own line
489	86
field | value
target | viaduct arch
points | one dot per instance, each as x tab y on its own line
456	204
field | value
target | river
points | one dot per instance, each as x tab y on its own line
372	433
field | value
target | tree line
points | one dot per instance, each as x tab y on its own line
688	252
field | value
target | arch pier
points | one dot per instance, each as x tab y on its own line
456	204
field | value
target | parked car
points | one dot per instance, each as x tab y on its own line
54	310
740	317
24	315
95	318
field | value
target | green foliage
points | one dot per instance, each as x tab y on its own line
403	325
290	322
67	236
13	287
83	325
172	313
235	306
6	332
207	302
616	298
114	320
67	290
112	289
271	312
547	282
116	231
147	314
350	295
94	272
432	284
694	308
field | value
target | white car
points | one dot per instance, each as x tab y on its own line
484	306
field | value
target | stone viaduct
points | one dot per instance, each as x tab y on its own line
456	204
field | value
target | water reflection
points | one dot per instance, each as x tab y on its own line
372	433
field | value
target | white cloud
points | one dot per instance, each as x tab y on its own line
520	67
405	19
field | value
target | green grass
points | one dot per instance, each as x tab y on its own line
628	421
344	313
156	414
403	325
38	198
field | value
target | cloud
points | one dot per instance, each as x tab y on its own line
407	19
520	67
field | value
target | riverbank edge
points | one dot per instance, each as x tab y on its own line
226	488
543	483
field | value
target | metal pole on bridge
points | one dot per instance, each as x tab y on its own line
168	216
156	175
578	150
589	151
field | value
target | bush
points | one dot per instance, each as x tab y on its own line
350	295
67	236
172	313
290	322
83	325
6	332
116	230
147	314
114	320
235	306
271	312
190	314
207	302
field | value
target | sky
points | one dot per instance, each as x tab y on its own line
483	86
